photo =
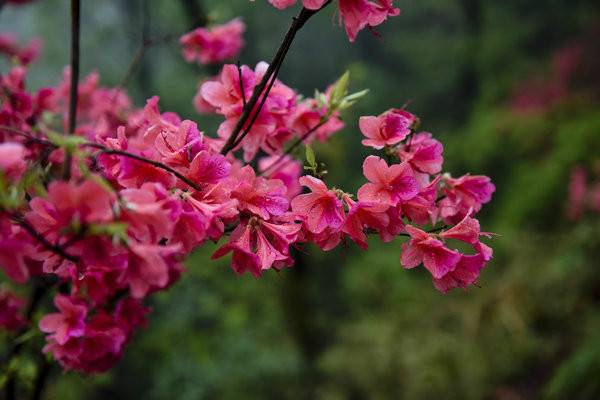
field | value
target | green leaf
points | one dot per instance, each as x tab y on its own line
340	89
68	142
310	157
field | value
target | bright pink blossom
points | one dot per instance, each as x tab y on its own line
358	14
309	4
577	193
11	307
319	209
68	323
257	195
68	203
362	216
387	185
423	248
215	44
25	55
469	192
423	153
258	245
388	129
464	274
286	170
12	160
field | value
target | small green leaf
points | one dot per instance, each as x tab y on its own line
310	157
69	142
340	89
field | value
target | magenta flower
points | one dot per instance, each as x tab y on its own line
11	307
150	267
387	185
12	160
257	195
358	14
66	324
388	129
421	209
309	4
96	350
464	274
423	153
287	170
214	45
363	216
207	168
319	209
25	55
67	202
259	245
423	248
464	194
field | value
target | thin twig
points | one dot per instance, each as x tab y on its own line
156	164
74	89
294	145
274	66
19	220
239	67
26	135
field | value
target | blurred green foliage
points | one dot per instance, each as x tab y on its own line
352	325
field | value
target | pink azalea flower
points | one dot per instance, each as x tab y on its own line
150	267
202	216
208	168
24	55
150	212
388	129
258	245
257	195
309	4
464	194
464	274
423	153
362	216
287	170
421	209
319	209
16	251
577	193
423	248
68	203
387	185
308	115
469	231
98	348
358	14
213	45
68	323
11	307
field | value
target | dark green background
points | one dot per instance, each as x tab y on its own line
354	325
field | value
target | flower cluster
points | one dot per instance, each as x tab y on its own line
354	14
111	210
217	44
281	118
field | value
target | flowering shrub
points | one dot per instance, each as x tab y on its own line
103	201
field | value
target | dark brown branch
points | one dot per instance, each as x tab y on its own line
19	220
239	68
74	89
26	135
271	72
